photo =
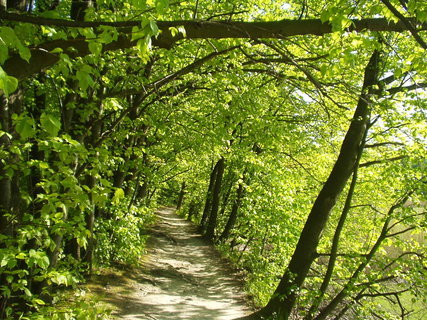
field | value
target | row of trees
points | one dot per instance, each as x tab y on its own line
293	133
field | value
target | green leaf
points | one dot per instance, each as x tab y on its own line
53	14
21	256
139	4
9	39
50	123
38	301
27	292
85	80
108	34
138	33
57	50
43	262
154	28
162	5
4	53
7	83
24	52
95	47
4	260
144	46
340	22
174	31
25	126
118	195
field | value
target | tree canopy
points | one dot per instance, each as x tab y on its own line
293	133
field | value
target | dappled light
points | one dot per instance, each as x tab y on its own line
182	277
227	159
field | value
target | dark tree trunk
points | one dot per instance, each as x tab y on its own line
142	190
226	196
5	180
91	182
233	214
208	203
210	230
181	196
118	178
20	5
283	299
9	195
78	8
90	223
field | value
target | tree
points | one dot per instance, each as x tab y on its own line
103	115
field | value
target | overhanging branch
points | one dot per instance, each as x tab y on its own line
43	58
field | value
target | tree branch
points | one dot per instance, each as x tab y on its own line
406	22
42	57
381	144
370	163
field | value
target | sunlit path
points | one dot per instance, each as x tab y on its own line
182	278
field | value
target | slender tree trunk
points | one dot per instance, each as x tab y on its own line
233	215
209	193
337	235
226	195
181	195
327	310
91	182
283	299
9	195
210	230
142	190
90	224
118	178
5	180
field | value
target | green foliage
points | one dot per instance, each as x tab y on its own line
120	239
89	147
8	84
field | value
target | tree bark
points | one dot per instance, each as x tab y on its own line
210	230
181	196
5	180
283	299
233	215
8	184
208	202
335	241
42	58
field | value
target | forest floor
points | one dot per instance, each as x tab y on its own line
182	277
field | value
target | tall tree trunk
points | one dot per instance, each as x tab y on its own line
20	5
91	182
208	203
8	184
181	195
5	180
90	223
210	230
233	215
78	8
227	193
283	299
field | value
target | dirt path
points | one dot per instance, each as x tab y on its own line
182	278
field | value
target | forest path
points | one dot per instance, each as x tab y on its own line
182	278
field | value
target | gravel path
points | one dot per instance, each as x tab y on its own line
182	278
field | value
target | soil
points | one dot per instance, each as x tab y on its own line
182	277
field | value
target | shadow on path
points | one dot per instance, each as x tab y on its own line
182	278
